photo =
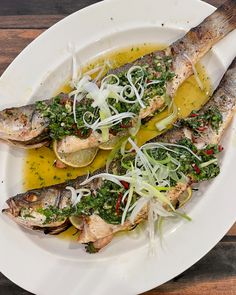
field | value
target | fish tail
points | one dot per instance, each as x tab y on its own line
223	20
226	16
198	41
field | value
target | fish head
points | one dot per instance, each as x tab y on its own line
21	124
33	209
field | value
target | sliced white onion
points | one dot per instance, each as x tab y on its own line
114	90
91	87
100	73
73	193
154	82
124	196
134	130
137	207
129	199
160	211
76	70
140	156
129	77
161	125
114	110
114	178
74	197
205	164
110	121
151	228
164	145
124	93
123	146
105	80
199	82
77	194
93	71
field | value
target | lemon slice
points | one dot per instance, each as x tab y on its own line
77	159
185	197
112	143
76	221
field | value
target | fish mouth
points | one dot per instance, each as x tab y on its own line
24	145
12	209
54	230
7	211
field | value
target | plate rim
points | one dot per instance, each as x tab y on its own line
151	285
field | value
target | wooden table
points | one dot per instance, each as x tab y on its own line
21	21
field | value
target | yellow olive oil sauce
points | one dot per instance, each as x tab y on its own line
39	169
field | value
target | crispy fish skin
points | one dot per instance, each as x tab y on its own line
199	40
94	228
224	99
24	126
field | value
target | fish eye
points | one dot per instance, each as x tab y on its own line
31	198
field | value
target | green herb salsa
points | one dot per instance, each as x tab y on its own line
59	110
107	201
199	123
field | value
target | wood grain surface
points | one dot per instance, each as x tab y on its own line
21	21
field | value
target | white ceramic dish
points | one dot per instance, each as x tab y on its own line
46	265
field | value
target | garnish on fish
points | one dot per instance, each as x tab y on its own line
144	183
97	111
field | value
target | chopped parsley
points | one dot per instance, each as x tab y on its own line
90	248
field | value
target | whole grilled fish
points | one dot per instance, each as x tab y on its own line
27	127
30	209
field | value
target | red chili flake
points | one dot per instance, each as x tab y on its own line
64	99
125	184
128	125
203	128
196	168
209	152
118	203
193	115
220	148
